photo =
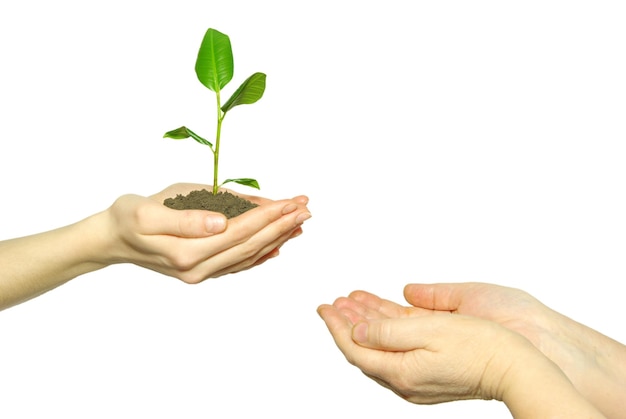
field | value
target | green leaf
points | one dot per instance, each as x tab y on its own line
244	181
214	66
184	132
250	91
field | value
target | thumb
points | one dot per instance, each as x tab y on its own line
443	297
160	220
403	334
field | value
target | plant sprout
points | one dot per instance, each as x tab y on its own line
214	68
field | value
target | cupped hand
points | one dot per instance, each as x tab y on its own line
423	356
510	307
594	363
194	245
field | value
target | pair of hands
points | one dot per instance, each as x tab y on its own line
426	353
194	245
474	341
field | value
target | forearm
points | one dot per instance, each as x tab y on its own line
35	264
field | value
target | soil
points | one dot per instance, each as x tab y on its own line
225	202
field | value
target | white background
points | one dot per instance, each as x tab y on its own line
438	141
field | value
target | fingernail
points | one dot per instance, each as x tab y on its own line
215	224
359	332
289	208
303	217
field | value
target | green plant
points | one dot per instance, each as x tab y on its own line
214	68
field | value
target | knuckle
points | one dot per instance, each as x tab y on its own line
383	333
247	250
182	261
191	277
184	223
351	360
140	215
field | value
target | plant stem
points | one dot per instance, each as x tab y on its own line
216	152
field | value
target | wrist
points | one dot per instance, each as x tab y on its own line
96	239
533	386
593	362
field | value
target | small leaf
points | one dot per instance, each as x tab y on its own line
177	134
214	66
244	181
184	132
250	91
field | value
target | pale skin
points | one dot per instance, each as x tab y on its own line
481	341
189	245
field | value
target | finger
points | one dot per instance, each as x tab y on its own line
248	265
243	265
239	230
247	239
301	199
295	233
352	310
270	251
384	308
272	235
275	235
395	335
235	260
371	362
361	311
156	219
340	328
250	223
238	258
271	255
444	297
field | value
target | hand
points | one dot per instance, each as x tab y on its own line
189	245
596	364
423	357
429	357
193	245
512	308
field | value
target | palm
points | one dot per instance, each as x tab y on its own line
512	308
509	307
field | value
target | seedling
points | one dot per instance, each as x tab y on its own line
214	68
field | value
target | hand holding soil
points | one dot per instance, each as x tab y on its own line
191	245
179	247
